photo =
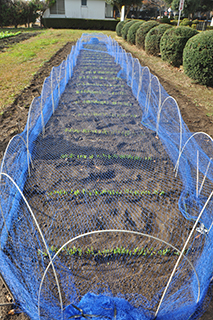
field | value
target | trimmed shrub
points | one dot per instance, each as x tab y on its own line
209	27
165	20
142	32
185	22
173	42
119	27
85	24
198	58
196	21
193	26
152	40
126	27
132	31
174	22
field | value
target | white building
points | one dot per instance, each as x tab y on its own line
80	9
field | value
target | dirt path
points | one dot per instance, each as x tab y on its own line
14	119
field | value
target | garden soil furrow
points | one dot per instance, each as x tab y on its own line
77	152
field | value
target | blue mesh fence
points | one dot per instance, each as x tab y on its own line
106	196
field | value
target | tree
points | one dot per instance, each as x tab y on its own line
127	3
191	6
40	6
18	12
206	5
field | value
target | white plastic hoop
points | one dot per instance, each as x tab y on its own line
181	255
44	242
119	231
28	153
180	119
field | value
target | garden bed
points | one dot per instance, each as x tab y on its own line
137	158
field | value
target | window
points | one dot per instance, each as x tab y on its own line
58	7
84	2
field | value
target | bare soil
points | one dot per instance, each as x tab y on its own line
13	121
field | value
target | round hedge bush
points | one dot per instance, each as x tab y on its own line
198	58
126	27
152	40
185	22
132	31
119	27
142	32
173	42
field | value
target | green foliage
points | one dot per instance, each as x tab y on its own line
165	20
84	24
198	58
91	193
112	252
103	155
18	12
190	6
142	32
174	22
152	40
104	114
126	3
185	22
209	28
125	133
194	26
196	21
8	34
173	42
126	27
132	31
119	27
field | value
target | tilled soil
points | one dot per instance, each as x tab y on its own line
13	121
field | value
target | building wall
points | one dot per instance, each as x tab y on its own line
95	9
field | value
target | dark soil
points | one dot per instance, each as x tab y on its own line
8	42
104	174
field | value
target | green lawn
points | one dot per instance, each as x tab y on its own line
21	61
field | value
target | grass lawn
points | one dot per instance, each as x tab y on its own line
20	62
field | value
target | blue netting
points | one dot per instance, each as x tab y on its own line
106	196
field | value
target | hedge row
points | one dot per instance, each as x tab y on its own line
132	31
198	58
126	27
152	40
85	24
177	45
173	42
142	32
120	26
